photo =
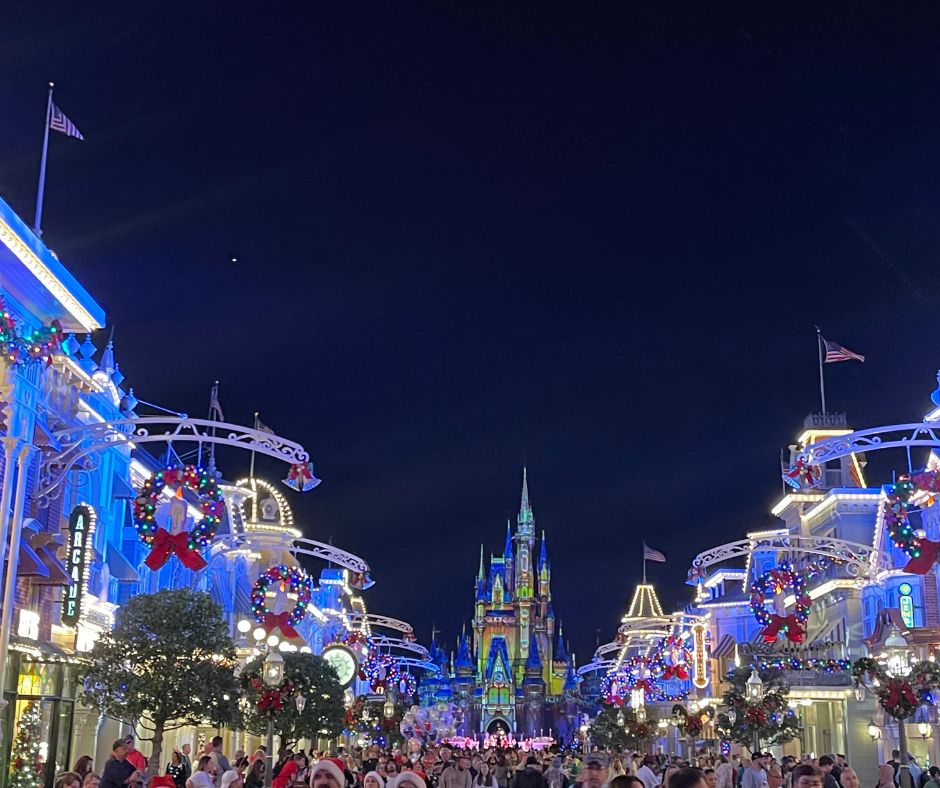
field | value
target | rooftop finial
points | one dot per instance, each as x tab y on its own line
480	573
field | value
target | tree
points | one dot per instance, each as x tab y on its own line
305	674
168	663
25	761
618	729
763	724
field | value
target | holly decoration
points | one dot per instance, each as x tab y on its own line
186	546
923	552
671	659
292	579
25	760
270	701
776	581
21	346
899	697
771	718
691	723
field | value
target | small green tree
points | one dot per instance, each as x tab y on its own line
763	724
168	663
618	729
26	765
304	674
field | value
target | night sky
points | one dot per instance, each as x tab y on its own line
594	240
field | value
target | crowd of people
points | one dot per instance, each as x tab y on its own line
444	767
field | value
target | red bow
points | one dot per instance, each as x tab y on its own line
280	621
165	544
898	690
794	629
927	558
270	700
678	671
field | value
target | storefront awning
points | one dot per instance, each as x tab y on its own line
57	573
725	647
119	567
30	564
120	488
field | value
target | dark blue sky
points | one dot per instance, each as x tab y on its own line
594	239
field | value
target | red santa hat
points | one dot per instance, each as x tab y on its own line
409	777
335	768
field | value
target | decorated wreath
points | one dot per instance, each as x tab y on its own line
382	672
33	344
671	659
691	723
271	700
635	673
185	545
298	582
923	553
775	581
899	697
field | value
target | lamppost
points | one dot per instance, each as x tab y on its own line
273	677
897	664
754	692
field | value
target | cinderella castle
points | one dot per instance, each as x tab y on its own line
513	674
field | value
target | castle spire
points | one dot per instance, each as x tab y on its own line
480	573
507	550
561	653
534	660
543	554
526	520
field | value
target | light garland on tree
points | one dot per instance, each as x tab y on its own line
776	581
899	697
34	344
922	552
292	579
633	674
185	545
26	763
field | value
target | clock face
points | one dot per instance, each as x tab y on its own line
343	661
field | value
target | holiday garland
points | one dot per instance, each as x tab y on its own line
770	718
34	344
162	543
788	663
923	552
636	673
775	581
691	723
297	582
899	696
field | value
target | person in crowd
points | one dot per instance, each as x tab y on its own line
91	780
724	774
774	777
501	770
915	770
371	763
288	773
391	770
457	775
68	780
670	770
755	776
616	768
626	781
373	779
486	779
204	774
219	762
84	766
687	777
185	752
328	773
135	756
807	775
885	776
594	774
711	777
850	778
231	779
827	764
176	769
118	771
255	776
411	779
646	773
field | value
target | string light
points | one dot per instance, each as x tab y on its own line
194	478
898	506
32	344
291	577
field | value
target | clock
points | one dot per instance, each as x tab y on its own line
343	661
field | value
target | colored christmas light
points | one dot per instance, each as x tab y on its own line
191	477
292	579
776	581
897	509
785	663
20	347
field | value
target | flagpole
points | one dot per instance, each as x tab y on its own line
822	380
37	224
644	563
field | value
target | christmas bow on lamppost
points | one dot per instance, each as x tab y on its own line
166	544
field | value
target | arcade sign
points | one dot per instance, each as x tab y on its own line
81	523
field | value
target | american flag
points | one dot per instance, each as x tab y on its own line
58	122
836	352
649	554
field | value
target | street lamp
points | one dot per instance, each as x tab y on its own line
873	730
897	664
300	701
923	728
388	708
273	676
754	692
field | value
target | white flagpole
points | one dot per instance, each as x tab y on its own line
644	563
251	470
37	224
822	380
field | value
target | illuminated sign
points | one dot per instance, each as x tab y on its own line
81	523
906	604
699	657
343	661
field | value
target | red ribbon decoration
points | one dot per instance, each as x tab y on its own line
676	671
795	631
927	558
898	690
165	544
280	621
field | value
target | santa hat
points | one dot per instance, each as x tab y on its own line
335	768
377	776
409	777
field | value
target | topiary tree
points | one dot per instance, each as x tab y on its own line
304	674
763	724
168	663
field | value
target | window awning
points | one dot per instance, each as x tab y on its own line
119	567
57	573
121	488
725	647
30	564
